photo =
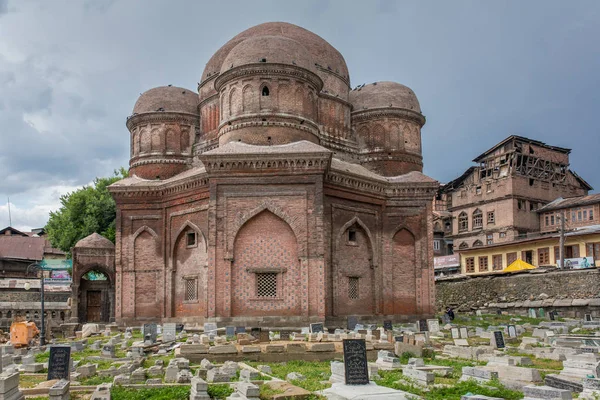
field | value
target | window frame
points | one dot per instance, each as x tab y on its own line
189	234
483	264
356	280
497	262
186	280
257	278
469	265
477	219
463	222
491	217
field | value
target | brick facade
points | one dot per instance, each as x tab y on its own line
277	210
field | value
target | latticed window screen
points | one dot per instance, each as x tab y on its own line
191	289
353	288
266	284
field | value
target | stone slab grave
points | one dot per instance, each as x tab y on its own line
515	377
59	363
533	392
60	390
210	329
169	333
108	350
512	331
455	333
150	332
351	322
479	374
433	325
461	342
421	325
9	385
316	327
591	389
464	334
387	360
230	331
413	370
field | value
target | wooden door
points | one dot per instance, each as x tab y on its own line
94	305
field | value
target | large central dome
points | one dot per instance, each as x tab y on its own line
322	53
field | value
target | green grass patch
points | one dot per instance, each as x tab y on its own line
42	357
95	380
267	393
315	373
219	391
29	381
493	319
165	393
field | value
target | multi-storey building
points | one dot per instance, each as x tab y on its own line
497	200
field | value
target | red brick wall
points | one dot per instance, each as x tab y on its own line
265	242
148	270
189	262
403	269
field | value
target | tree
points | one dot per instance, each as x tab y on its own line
83	212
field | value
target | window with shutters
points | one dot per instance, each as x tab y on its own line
511	258
190	287
477	219
470	264
544	256
497	262
266	285
353	288
483	264
491	217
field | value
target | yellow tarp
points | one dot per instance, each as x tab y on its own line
518	265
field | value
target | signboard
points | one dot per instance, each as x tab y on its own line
578	263
60	274
355	362
450	261
59	363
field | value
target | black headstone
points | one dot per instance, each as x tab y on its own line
387	325
355	362
499	338
178	328
240	329
551	315
588	317
284	335
316	328
59	363
423	325
499	312
352	321
398	338
152	330
255	332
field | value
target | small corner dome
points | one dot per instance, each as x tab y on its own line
268	50
95	241
167	98
384	94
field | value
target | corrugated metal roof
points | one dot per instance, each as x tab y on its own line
22	247
569	202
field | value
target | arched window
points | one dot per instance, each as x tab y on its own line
463	222
463	246
478	243
265	91
477	219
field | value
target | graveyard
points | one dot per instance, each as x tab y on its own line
474	356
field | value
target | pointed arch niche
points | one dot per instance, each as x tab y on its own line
353	275
188	274
147	264
266	273
403	273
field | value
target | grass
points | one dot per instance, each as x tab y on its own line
494	320
29	381
95	380
217	391
315	373
267	393
165	393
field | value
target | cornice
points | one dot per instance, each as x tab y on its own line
161	190
371	156
147	161
293	162
265	69
256	121
382	112
162	116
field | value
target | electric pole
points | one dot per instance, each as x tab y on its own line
562	239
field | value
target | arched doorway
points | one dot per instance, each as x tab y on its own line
96	296
266	270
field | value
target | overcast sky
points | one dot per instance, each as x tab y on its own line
70	72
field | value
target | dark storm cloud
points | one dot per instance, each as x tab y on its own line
70	73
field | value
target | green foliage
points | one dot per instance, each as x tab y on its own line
42	357
315	372
219	391
95	380
83	212
164	393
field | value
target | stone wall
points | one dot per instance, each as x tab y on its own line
572	293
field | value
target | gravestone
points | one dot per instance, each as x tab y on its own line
108	350
498	340
316	328
284	335
399	338
387	325
264	336
169	332
531	313
498	312
512	331
446	319
478	313
588	317
433	325
230	331
150	332
455	333
552	316
541	312
179	328
240	329
59	363
464	334
351	322
358	327
355	362
210	328
422	325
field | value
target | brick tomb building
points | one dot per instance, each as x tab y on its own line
276	194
